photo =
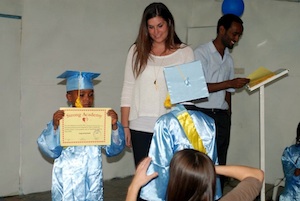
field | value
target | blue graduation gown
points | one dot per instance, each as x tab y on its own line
77	170
168	138
290	161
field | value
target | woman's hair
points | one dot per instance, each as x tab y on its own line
144	42
192	177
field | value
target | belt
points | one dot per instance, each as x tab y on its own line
204	110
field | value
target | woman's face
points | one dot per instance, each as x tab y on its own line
158	29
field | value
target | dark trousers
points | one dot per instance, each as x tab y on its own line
140	145
223	124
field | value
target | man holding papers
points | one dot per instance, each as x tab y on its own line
77	170
218	70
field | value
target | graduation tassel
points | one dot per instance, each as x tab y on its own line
167	102
78	102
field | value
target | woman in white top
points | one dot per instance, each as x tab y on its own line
144	89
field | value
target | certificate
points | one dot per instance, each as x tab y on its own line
85	126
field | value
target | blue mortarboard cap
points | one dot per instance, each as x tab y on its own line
186	82
77	80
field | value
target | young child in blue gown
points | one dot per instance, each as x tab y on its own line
291	167
184	127
77	170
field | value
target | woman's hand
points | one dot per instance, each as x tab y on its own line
127	137
140	179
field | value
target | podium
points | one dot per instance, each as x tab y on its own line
261	86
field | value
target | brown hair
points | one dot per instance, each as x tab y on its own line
144	42
192	177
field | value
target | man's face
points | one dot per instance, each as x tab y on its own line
86	97
232	35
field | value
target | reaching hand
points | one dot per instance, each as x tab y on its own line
140	179
239	82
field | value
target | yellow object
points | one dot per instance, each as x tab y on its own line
168	103
188	126
259	75
78	102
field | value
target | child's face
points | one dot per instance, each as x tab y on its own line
86	97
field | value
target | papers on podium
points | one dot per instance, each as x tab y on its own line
262	76
186	82
85	126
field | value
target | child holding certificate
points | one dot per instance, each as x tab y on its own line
77	170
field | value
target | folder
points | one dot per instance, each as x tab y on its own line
262	76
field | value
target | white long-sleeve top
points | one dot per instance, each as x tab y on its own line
142	95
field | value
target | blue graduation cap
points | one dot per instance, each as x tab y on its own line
186	82
77	80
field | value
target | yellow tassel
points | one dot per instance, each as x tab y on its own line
78	102
168	103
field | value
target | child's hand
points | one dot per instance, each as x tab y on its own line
58	115
297	172
114	118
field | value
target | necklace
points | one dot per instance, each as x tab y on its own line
156	73
159	54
